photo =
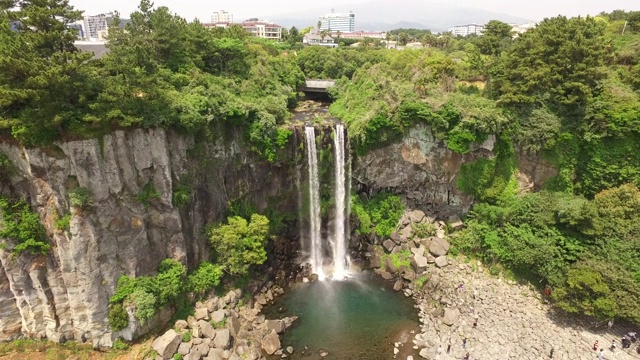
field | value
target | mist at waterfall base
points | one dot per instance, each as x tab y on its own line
357	318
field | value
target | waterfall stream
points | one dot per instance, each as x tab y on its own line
338	234
339	238
314	204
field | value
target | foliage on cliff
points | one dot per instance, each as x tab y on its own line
586	250
160	71
21	226
379	214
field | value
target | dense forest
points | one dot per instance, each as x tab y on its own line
568	90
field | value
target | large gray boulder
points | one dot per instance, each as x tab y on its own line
167	344
277	325
416	216
421	261
201	314
222	339
218	315
206	329
441	261
438	246
388	245
233	324
271	343
184	349
451	316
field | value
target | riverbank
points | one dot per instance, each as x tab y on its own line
513	321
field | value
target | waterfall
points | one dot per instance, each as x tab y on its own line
314	204
339	242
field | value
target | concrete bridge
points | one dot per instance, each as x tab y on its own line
317	86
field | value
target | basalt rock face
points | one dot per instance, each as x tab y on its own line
64	294
424	171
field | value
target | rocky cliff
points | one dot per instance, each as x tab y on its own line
64	295
424	171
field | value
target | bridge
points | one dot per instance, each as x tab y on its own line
317	86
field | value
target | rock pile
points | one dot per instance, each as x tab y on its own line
464	310
221	328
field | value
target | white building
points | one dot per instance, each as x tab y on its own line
338	22
263	29
313	38
464	30
96	27
222	17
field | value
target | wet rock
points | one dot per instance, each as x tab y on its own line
384	274
397	286
323	353
167	344
290	349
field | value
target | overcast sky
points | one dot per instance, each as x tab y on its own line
243	9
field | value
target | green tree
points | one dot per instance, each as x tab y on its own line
44	79
240	243
495	38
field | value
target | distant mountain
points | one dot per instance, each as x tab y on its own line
383	15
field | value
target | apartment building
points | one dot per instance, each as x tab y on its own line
96	27
263	29
221	17
342	22
464	30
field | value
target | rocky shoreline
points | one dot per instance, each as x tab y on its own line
512	320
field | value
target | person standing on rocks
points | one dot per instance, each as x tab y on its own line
464	343
613	345
601	355
595	346
610	324
551	354
466	357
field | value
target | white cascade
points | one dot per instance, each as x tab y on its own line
314	204
340	268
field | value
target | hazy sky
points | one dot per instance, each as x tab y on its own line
242	9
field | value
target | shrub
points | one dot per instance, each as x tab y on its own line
181	196
186	337
148	194
23	226
177	357
145	304
240	244
205	277
80	197
380	214
63	223
120	345
118	317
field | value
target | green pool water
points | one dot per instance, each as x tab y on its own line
359	318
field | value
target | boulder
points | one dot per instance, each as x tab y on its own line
451	316
261	299
233	324
222	339
212	304
406	233
271	343
214	354
418	250
191	321
290	350
397	286
441	261
277	325
395	236
455	222
384	274
203	349
438	246
202	314
391	267
180	325
388	245
421	261
416	216
167	344
206	329
409	275
184	349
217	316
374	261
440	233
231	298
193	355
